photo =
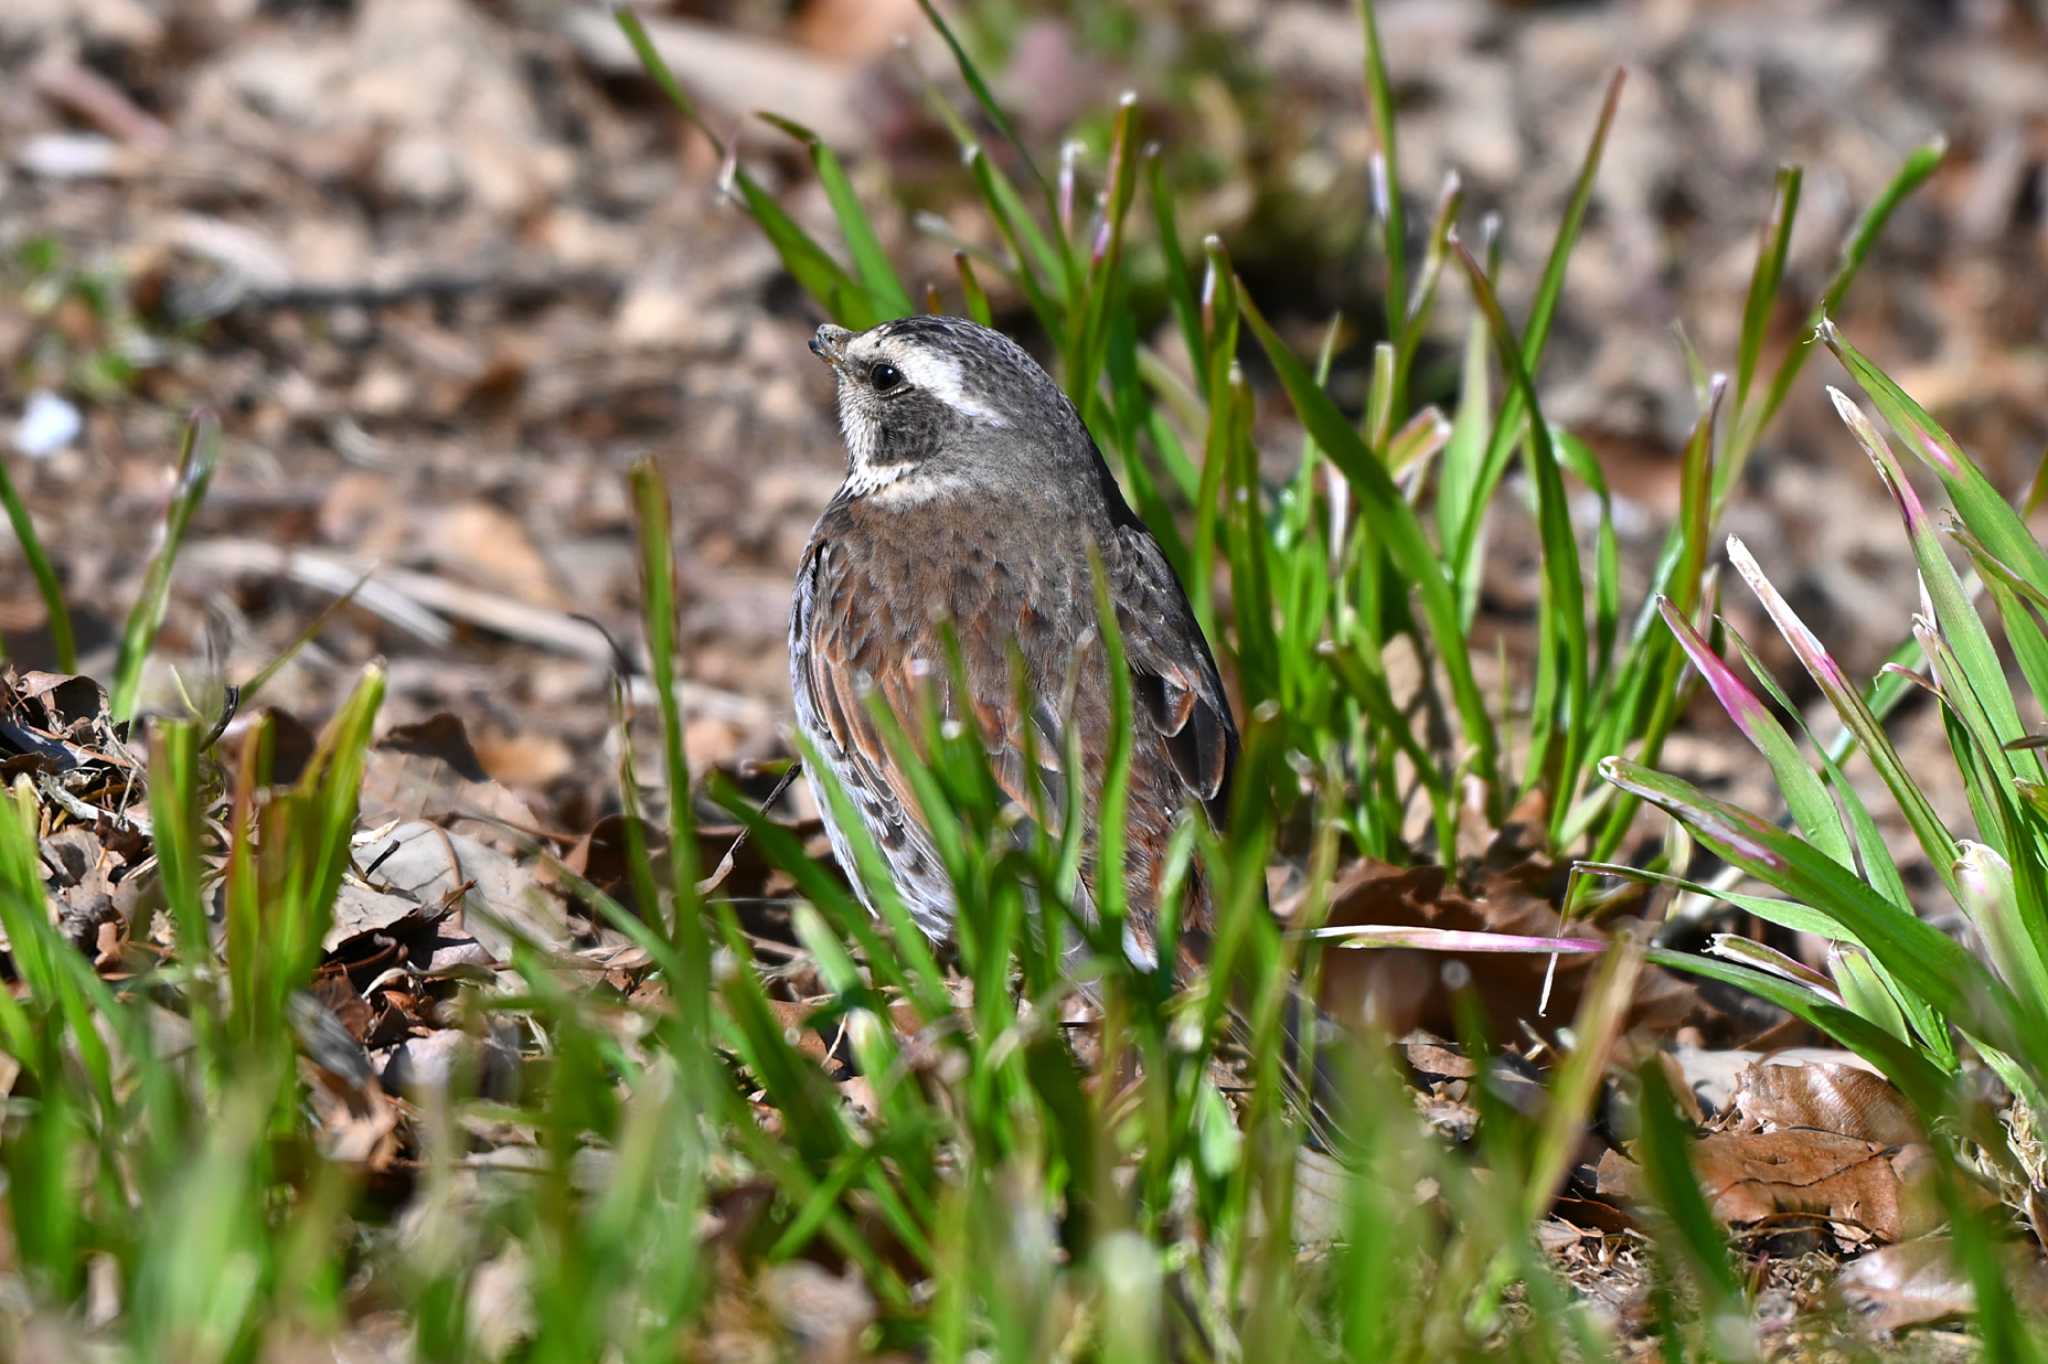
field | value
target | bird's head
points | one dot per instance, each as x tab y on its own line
929	398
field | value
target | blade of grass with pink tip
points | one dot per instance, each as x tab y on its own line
1811	806
1878	867
1455	940
1983	509
1857	718
1876	859
1960	624
1918	955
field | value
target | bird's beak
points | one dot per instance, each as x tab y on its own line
829	344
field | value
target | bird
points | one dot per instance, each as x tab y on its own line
976	502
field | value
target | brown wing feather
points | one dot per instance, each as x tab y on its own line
839	653
1173	674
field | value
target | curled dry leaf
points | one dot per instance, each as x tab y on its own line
1830	1096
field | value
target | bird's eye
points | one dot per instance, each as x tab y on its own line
884	377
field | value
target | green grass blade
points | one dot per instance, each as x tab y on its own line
197	457
1422	296
47	586
1576	1086
990	105
659	606
1180	281
1863	990
1988	515
1537	333
1674	1188
861	241
176	811
1396	527
1774	242
1575	455
975	297
1564	673
1386	175
845	299
1859	719
1459	500
658	72
2013	938
1813	810
1961	626
1915	172
1919	956
1017	231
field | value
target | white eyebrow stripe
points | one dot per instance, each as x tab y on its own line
942	377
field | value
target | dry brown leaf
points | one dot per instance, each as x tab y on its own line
1831	1097
493	548
1752	1177
430	771
1918	1281
493	895
1399	990
524	759
360	911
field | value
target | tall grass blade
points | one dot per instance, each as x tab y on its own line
659	606
1920	956
1386	173
1813	810
1858	718
1774	242
197	456
1694	1238
47	586
1918	167
1508	426
869	258
1563	679
1396	527
1983	509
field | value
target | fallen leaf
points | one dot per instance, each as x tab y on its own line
1830	1097
360	911
1918	1281
441	736
1752	1177
1399	990
494	894
430	771
524	759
